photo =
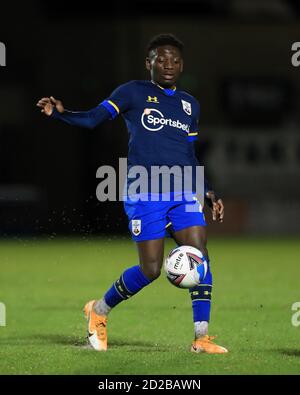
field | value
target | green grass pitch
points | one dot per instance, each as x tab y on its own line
45	283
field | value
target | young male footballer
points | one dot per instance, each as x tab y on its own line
162	123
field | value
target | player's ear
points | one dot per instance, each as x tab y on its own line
148	64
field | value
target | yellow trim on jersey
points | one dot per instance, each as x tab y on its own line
173	89
114	106
193	134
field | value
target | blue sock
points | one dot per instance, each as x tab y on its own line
130	282
201	297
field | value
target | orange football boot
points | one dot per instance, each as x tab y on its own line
97	334
205	344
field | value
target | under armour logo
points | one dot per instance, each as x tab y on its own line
152	99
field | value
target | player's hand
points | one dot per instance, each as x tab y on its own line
48	103
217	207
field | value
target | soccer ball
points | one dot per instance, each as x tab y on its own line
185	267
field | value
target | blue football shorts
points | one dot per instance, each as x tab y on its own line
150	220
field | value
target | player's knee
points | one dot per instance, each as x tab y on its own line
204	251
151	270
201	245
155	273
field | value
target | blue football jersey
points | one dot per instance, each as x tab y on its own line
162	123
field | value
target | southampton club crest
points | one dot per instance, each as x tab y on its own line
186	107
136	226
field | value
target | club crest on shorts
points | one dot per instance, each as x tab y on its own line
136	226
186	107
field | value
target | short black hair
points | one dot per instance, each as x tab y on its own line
165	39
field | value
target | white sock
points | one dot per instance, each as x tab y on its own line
201	328
101	308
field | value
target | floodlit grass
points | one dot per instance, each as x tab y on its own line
45	283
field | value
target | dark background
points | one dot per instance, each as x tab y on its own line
237	64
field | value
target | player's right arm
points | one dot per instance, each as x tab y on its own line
119	101
88	119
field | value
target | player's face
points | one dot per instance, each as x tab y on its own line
165	64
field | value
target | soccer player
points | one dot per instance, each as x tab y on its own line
162	123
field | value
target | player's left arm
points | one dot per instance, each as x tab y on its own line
214	202
211	198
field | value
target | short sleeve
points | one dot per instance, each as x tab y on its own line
120	100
